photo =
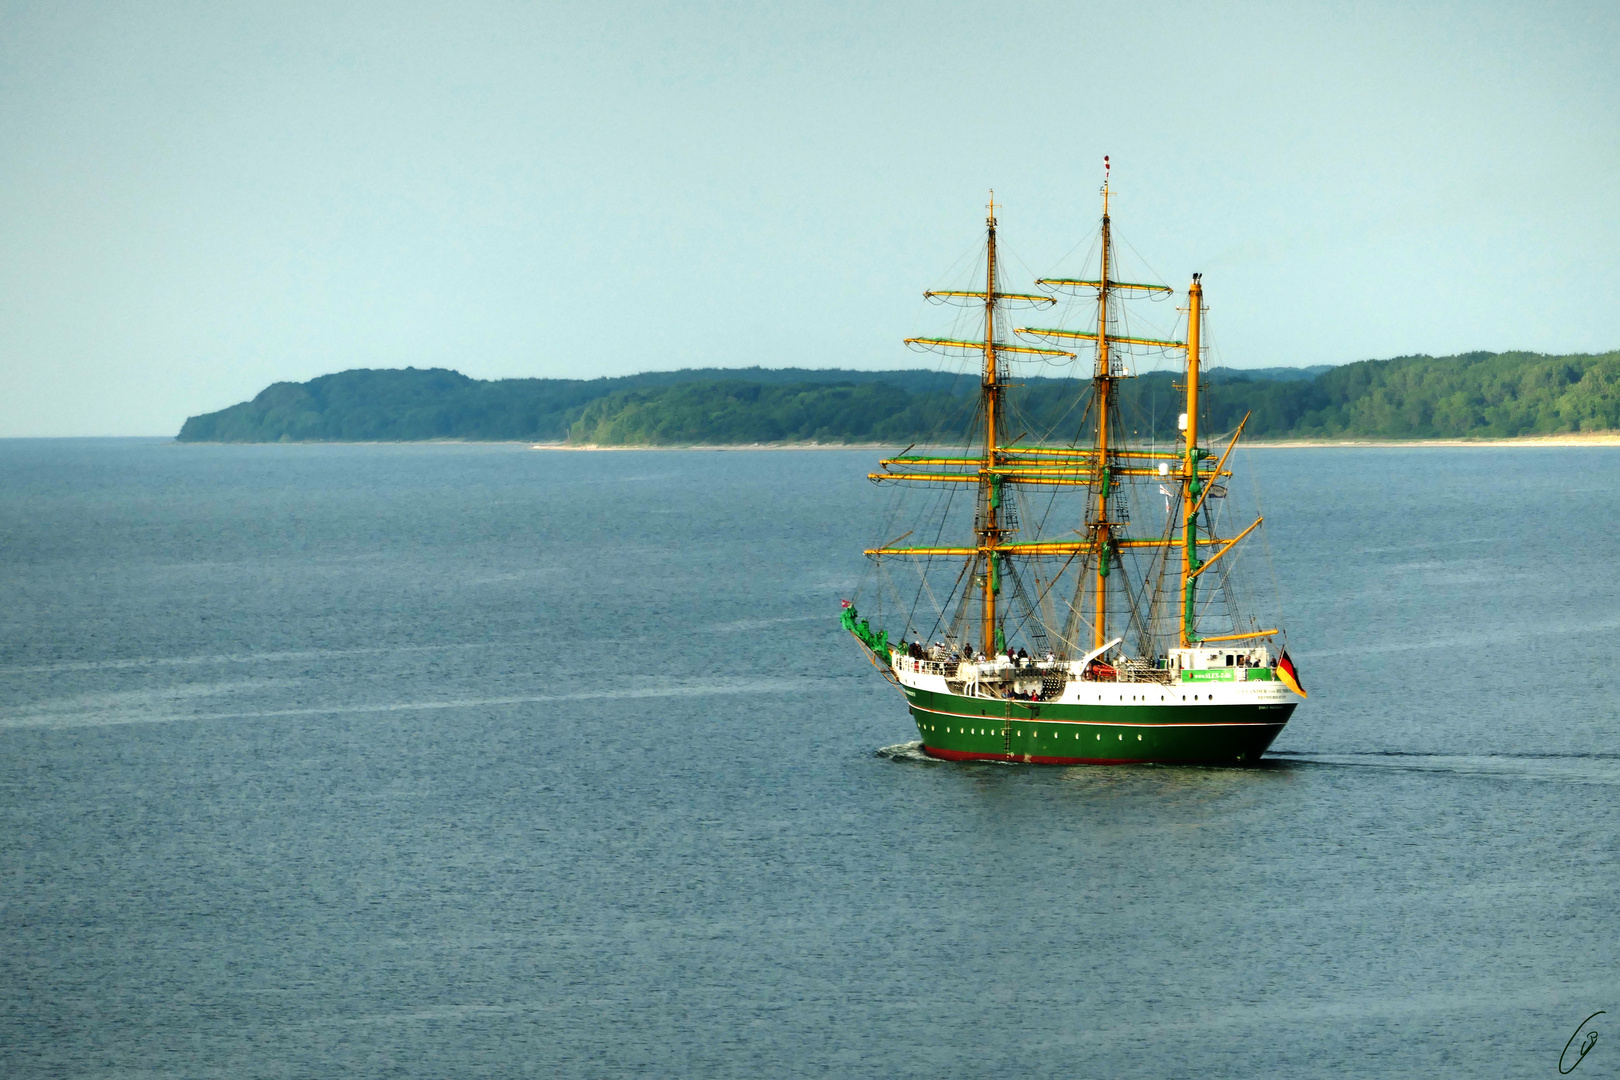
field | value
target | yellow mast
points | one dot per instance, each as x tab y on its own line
990	531
997	465
1103	380
1191	485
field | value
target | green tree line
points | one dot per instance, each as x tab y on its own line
407	404
1486	395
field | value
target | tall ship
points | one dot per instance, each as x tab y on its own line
1079	599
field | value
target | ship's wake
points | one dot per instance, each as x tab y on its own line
906	751
1589	768
913	752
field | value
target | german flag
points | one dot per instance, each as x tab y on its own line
1290	677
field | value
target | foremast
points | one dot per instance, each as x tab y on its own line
990	467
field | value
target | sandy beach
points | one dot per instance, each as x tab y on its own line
1584	438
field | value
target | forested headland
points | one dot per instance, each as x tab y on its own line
1473	395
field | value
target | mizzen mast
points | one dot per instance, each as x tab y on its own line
1191	483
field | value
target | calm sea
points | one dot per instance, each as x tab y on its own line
477	761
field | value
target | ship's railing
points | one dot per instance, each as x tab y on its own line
1053	673
946	668
1136	670
986	670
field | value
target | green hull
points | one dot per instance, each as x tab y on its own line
981	729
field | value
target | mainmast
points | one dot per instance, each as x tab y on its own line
1102	383
990	483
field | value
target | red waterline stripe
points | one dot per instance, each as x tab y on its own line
1105	723
1032	759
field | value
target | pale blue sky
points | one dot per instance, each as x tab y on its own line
199	199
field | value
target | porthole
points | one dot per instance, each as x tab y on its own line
1139	737
1122	736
